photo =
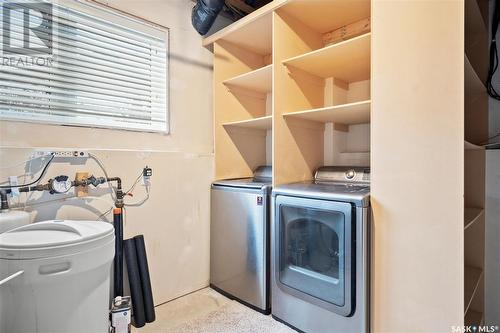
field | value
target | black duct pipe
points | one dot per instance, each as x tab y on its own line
142	261
134	279
204	14
118	261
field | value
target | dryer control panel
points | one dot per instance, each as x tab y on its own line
342	174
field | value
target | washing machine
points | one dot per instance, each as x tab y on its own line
55	277
321	252
240	237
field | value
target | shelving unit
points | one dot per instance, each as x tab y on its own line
286	94
476	131
321	90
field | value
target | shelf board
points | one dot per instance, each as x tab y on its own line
261	123
347	114
472	277
348	61
323	16
471	146
355	152
472	215
259	80
473	318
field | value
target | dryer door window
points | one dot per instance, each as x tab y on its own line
315	259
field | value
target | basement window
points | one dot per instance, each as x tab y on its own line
74	63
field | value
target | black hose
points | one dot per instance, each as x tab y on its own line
142	261
204	14
118	261
493	66
134	279
35	181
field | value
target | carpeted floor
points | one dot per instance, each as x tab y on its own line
209	312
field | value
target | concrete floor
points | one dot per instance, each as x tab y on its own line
209	312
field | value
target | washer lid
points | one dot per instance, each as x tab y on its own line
55	237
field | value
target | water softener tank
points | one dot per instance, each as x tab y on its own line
13	219
54	277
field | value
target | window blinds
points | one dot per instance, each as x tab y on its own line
107	70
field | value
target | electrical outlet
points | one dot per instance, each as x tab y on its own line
147	172
70	153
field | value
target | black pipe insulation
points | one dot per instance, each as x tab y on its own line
142	261
118	261
4	200
204	14
134	279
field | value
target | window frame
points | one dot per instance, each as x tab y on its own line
118	17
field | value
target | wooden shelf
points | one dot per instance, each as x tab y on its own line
348	114
472	277
348	61
259	80
261	123
323	16
471	215
473	318
471	146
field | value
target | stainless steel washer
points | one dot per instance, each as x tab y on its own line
239	239
320	255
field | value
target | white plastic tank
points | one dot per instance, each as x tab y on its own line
11	219
55	277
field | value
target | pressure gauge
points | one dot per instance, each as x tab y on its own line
60	184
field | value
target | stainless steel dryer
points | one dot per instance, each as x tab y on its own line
320	255
240	237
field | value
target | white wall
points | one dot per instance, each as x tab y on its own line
175	221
